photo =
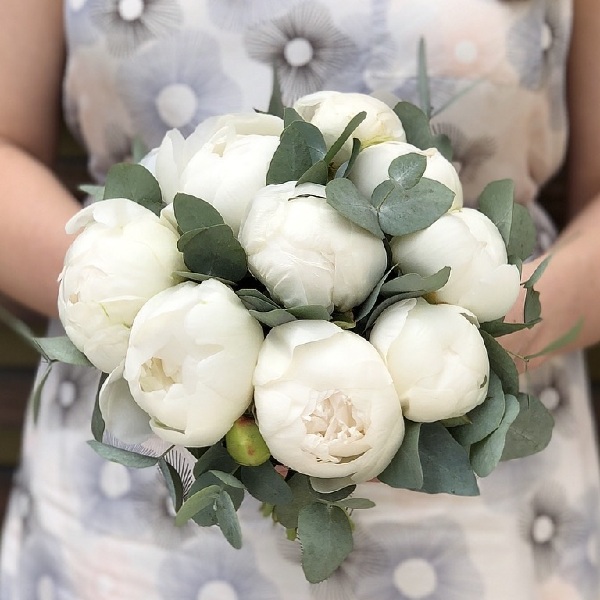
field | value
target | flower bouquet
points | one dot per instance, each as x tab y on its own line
298	302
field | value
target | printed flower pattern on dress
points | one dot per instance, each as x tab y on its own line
306	48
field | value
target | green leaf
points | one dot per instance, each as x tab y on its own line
318	173
501	364
346	167
310	312
415	284
486	454
194	213
257	300
356	503
407	170
276	105
273	318
498	328
423	78
138	149
367	306
381	307
266	485
199	277
416	125
300	147
532	309
446	466
325	535
344	136
302	495
523	235
404	470
496	202
343	195
22	330
96	192
405	211
173	482
207	515
35	399
485	418
442	142
561	342
329	489
196	503
216	458
227	519
97	425
127	458
136	183
62	349
290	115
214	251
227	478
539	271
531	431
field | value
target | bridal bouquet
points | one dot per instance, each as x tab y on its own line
299	302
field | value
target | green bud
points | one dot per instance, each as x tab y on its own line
245	444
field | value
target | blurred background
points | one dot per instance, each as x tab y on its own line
18	362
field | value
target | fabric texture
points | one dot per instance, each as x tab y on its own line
81	528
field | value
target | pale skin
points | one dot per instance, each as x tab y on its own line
35	206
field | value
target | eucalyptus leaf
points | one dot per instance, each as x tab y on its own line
196	503
227	478
531	431
266	485
496	202
301	146
501	364
318	173
532	309
423	80
310	312
539	271
376	312
343	195
325	536
35	399
207	515
485	418
367	306
416	125
523	236
486	454
407	170
344	136
563	341
273	318
227	519
413	283
346	167
356	503
405	211
194	213
445	463
98	425
200	277
62	349
290	115
442	142
96	192
499	327
214	251
253	293
127	458
331	492
216	458
276	105
136	183
258	304
404	470
302	495
173	483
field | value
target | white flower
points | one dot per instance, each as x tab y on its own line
123	256
305	252
325	402
436	357
224	162
189	365
332	111
470	244
371	168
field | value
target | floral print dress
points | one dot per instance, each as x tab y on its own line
81	528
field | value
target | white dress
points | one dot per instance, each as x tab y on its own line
80	528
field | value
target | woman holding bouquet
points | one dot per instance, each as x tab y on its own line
508	80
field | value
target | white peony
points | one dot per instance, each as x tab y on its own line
189	366
305	252
331	112
371	168
325	402
465	240
123	256
436	357
224	162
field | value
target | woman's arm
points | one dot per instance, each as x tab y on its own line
34	207
570	287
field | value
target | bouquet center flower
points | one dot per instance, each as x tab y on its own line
334	427
157	374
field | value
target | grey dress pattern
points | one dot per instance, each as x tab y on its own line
79	528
